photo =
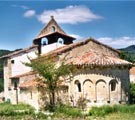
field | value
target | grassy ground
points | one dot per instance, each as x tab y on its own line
26	112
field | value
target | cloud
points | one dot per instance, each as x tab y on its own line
78	37
120	42
69	14
20	6
29	13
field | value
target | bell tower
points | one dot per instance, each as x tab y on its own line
52	33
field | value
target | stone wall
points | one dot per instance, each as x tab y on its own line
100	85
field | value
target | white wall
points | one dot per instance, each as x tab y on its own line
18	67
132	78
50	47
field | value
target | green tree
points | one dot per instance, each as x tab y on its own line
51	74
132	93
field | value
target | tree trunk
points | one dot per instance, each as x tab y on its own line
52	101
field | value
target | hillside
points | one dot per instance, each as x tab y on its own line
128	53
130	49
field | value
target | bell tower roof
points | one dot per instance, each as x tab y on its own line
52	29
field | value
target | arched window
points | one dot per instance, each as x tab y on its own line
53	29
61	41
44	41
78	84
113	84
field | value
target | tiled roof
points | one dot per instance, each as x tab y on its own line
49	34
27	84
19	52
93	58
77	44
24	74
132	71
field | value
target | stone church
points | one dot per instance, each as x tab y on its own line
101	76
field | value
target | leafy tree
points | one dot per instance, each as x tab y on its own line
51	74
132	93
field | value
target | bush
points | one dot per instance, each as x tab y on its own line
104	110
6	109
68	111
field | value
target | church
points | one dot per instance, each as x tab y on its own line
101	76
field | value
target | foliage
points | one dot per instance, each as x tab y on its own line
20	111
82	102
50	75
128	56
104	110
132	93
12	110
128	53
68	111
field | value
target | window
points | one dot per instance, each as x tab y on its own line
12	61
78	85
53	29
44	41
113	86
61	41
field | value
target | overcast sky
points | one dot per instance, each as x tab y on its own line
112	23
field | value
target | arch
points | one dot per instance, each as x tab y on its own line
113	84
78	86
101	90
87	80
52	29
113	90
100	81
44	41
88	89
61	41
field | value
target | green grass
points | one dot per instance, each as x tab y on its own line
16	112
105	110
26	112
63	110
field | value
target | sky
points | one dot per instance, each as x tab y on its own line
110	22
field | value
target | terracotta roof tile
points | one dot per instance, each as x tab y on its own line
27	84
93	58
48	34
24	74
18	52
76	44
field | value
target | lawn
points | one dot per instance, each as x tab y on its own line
26	112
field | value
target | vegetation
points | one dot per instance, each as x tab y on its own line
50	75
67	111
104	110
128	53
26	112
132	93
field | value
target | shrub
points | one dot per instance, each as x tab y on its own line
68	111
104	110
6	109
